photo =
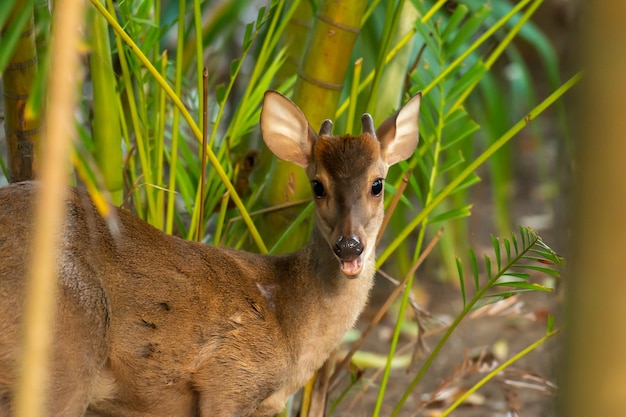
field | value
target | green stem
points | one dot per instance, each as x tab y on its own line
171	187
159	151
432	11
293	226
197	20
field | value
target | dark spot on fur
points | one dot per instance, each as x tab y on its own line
148	324
148	351
195	401
256	308
164	306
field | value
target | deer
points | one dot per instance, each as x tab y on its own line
148	324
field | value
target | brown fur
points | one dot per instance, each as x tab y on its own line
346	156
151	325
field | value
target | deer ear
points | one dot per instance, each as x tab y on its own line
399	134
285	129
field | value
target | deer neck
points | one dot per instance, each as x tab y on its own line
324	303
316	309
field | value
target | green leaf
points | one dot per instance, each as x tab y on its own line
538	40
474	268
457	213
459	268
452	162
492	299
496	248
426	120
142	21
524	285
488	267
247	37
220	93
542	269
391	190
12	33
507	247
539	259
497	296
234	67
467	182
519	275
458	126
550	324
453	22
547	253
468	80
260	17
5	11
523	235
468	30
425	33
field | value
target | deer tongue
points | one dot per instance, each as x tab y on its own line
351	268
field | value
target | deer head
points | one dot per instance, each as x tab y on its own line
347	172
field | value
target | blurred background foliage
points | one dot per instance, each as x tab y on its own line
132	143
146	109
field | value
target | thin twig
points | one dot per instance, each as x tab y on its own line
203	163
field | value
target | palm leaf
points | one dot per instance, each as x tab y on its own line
504	276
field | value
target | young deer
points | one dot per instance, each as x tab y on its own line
151	325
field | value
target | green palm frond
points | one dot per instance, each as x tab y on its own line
510	269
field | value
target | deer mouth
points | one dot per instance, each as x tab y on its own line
351	267
349	251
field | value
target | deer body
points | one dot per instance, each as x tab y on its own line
151	325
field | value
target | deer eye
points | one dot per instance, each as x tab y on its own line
377	187
318	189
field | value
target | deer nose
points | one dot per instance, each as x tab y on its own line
348	248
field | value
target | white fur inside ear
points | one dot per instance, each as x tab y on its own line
285	129
404	143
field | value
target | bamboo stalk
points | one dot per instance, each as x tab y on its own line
327	58
22	127
594	363
40	308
